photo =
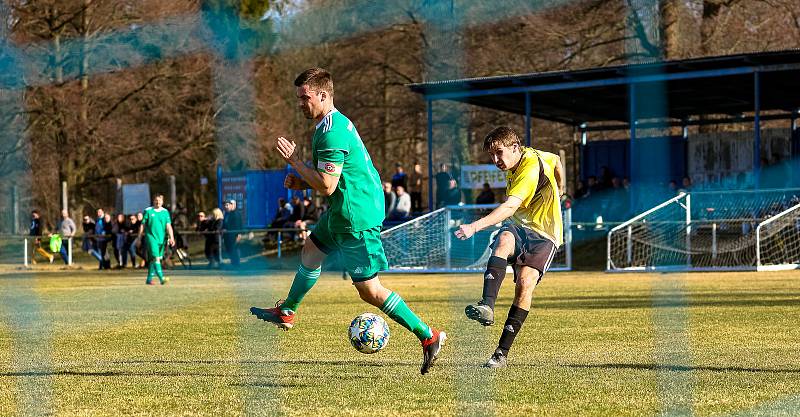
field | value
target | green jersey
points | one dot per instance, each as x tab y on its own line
357	204
155	223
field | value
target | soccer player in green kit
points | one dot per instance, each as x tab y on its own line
156	225
342	170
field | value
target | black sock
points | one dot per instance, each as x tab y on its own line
516	316
495	273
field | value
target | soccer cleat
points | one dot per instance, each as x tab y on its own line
275	316
165	280
481	313
497	360
431	348
148	282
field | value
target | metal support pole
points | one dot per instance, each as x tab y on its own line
757	127
568	237
448	246
219	251
280	241
629	249
64	196
528	119
688	230
15	209
172	194
431	205
25	253
714	241
634	174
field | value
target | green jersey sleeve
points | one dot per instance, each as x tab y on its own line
331	151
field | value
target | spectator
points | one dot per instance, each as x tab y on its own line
592	185
101	239
453	196
139	245
486	196
580	190
442	180
129	248
88	243
66	228
399	179
282	216
309	217
403	207
180	223
297	211
36	232
213	229
626	184
119	232
389	198
686	184
673	187
231	225
416	183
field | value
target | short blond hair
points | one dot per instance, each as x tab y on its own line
216	213
501	136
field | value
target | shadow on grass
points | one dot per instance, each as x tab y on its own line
675	368
348	363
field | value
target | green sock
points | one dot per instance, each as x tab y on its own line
151	270
397	309
303	281
159	271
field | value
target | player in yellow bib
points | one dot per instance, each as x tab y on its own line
531	233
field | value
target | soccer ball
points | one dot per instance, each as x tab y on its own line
369	333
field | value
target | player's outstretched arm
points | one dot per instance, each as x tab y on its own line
561	178
320	182
502	212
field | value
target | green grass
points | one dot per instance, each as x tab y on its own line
103	344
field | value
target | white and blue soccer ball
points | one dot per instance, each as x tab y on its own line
369	333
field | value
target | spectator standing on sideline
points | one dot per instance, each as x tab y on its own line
118	230
403	207
486	196
442	180
399	179
297	211
231	225
36	242
101	240
66	228
389	198
156	228
88	243
129	247
415	184
213	231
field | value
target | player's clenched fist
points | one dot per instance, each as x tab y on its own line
293	182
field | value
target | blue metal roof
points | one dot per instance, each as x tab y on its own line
678	90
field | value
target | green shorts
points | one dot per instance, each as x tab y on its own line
362	252
153	248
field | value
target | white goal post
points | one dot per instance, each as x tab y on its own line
427	244
730	230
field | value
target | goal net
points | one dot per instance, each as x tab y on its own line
428	243
719	230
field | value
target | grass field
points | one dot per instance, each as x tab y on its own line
92	344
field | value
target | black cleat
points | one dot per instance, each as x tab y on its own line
497	360
481	313
431	348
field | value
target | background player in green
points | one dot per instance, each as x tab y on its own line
342	170
155	227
